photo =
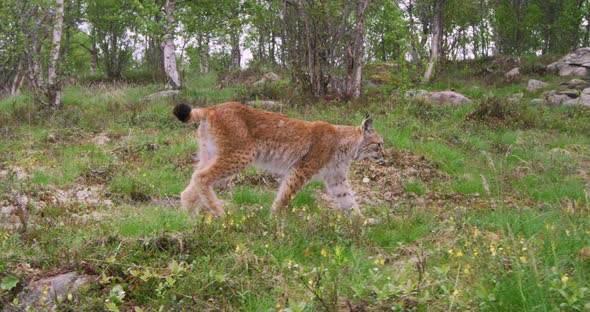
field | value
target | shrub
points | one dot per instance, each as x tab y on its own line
501	112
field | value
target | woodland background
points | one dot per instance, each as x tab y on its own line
483	205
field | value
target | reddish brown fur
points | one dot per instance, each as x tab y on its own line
232	136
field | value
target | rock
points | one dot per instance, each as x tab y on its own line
101	139
7	210
271	76
584	98
267	77
573	64
556	98
366	180
537	101
418	94
447	97
513	74
263	104
570	93
534	85
516	96
161	94
571	102
439	97
575	84
19	174
584	252
43	293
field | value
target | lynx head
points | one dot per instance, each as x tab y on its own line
371	145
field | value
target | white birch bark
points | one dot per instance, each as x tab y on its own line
52	87
357	52
435	41
168	49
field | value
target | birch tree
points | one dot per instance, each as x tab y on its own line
356	53
53	88
435	41
168	55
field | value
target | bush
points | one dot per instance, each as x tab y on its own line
501	112
270	90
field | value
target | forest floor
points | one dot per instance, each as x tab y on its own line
484	206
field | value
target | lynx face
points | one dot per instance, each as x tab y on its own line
371	146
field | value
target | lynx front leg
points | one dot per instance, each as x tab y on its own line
339	189
290	184
189	198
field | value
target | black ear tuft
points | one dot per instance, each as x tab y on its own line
182	111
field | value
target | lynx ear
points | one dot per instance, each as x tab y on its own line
367	124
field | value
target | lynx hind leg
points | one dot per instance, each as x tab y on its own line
222	166
339	189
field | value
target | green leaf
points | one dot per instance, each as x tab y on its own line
9	282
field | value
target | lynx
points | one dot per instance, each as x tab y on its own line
233	136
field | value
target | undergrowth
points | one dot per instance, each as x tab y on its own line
485	207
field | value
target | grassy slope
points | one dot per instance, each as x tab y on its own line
501	228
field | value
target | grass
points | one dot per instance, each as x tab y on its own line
484	211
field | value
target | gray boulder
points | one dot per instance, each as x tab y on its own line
513	74
535	85
266	104
576	63
584	98
439	97
43	293
578	84
161	94
554	98
516	96
266	78
570	93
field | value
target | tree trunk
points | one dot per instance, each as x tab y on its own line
53	90
271	48
18	79
207	52
587	32
168	55
354	85
236	54
93	52
201	52
413	41
435	41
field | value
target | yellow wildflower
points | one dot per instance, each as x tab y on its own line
459	254
564	278
324	253
523	259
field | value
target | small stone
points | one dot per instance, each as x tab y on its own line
366	180
584	252
571	93
513	74
535	85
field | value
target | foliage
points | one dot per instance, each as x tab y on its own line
481	213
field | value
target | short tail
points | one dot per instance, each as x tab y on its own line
187	114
